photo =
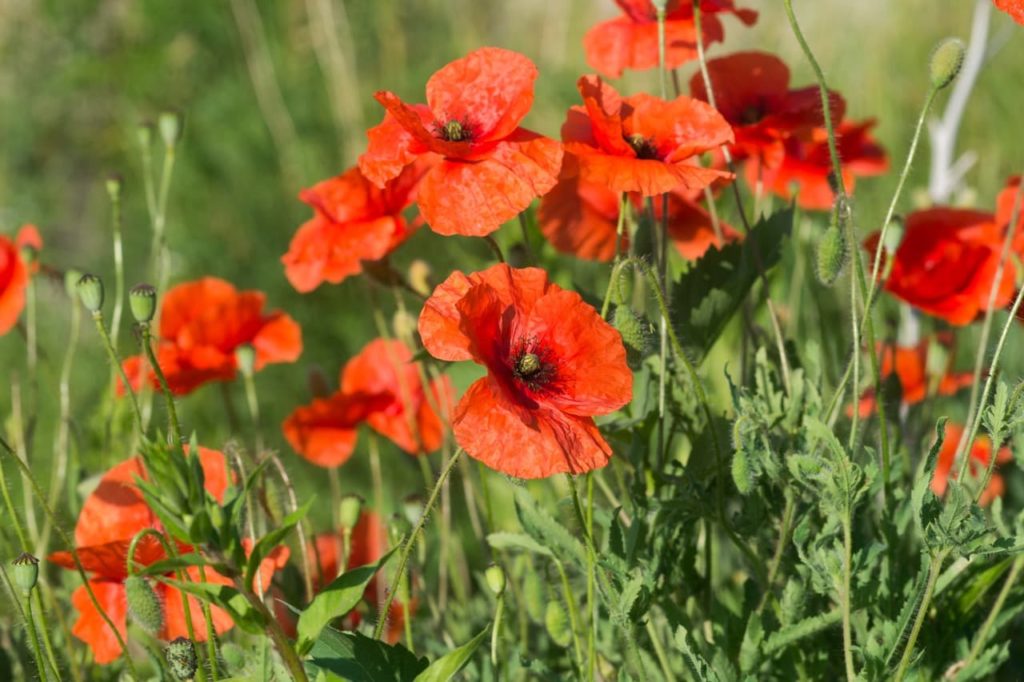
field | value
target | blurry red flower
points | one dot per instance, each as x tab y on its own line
947	261
111	516
642	143
806	164
1015	8
981	453
487	168
631	41
203	323
353	221
14	274
552	364
752	92
376	386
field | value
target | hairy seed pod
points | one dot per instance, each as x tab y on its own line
144	604
26	572
495	577
832	254
743	474
557	623
142	301
90	291
181	658
947	59
631	327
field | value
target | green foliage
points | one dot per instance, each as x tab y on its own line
358	658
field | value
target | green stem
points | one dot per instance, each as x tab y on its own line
284	647
172	412
44	629
574	619
252	398
33	636
780	547
933	575
530	257
659	652
115	318
499	610
591	602
982	637
97	317
847	598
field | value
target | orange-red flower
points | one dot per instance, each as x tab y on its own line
910	364
752	92
981	454
353	221
376	387
581	218
111	516
806	164
631	41
14	274
1015	8
552	364
642	143
487	168
203	323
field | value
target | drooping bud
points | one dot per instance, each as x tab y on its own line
495	577
144	604
170	124
142	301
114	183
947	59
71	278
181	658
412	508
630	326
349	509
831	255
26	572
245	355
419	277
90	291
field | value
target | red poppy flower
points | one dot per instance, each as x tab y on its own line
203	323
806	164
353	221
376	387
1015	8
631	41
581	218
910	363
14	275
552	364
981	453
111	516
947	261
487	169
752	92
642	143
1006	202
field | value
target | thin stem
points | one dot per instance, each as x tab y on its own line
780	548
530	257
659	652
97	317
284	647
922	612
378	493
495	248
172	412
115	318
499	610
252	398
293	504
591	602
570	605
982	637
44	629
33	636
847	598
21	446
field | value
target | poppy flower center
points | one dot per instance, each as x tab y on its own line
532	367
752	114
643	146
453	131
527	365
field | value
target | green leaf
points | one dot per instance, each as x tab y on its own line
778	641
506	540
699	668
268	542
446	667
358	658
556	622
334	601
922	493
750	649
711	292
547	531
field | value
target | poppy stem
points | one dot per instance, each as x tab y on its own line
119	294
172	412
495	248
922	611
302	529
531	258
97	317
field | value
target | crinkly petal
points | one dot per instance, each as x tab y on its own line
278	340
1015	8
679	129
618	44
646	176
392	146
581	218
603	107
91	627
324	432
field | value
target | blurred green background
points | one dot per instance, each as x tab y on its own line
277	95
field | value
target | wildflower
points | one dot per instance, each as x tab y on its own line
552	363
487	168
14	274
631	41
203	323
981	454
642	143
377	385
353	221
111	516
1015	8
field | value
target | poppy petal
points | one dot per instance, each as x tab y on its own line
279	340
91	628
580	218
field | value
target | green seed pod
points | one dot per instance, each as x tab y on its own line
181	658
557	624
71	278
142	301
349	509
144	604
144	133
114	183
631	327
26	572
832	254
743	474
419	277
90	291
170	124
245	356
947	59
495	577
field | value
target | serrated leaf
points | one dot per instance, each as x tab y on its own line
446	667
699	668
547	531
781	639
506	540
750	649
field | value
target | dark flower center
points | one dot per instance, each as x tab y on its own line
453	131
752	114
527	365
643	146
533	367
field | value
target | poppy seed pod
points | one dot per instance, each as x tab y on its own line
114	183
26	572
947	59
349	509
245	355
144	604
71	278
831	255
142	301
90	291
181	658
419	277
170	124
144	133
631	327
495	577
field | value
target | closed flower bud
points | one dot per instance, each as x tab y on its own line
831	255
630	325
181	658
114	183
419	277
170	124
947	58
26	572
245	355
90	291
142	301
144	604
495	577
144	133
349	509
71	278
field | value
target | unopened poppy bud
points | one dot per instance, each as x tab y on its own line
630	326
144	133
170	127
419	277
90	291
245	355
495	577
71	278
947	58
894	235
181	658
404	324
349	509
26	572
144	604
831	255
114	183
619	288
412	508
142	301
398	526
